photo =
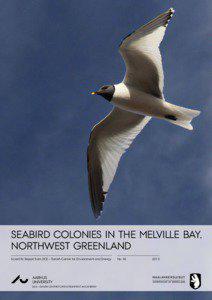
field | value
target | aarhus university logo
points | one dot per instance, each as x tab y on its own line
195	280
18	278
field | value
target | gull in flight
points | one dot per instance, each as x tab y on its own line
137	99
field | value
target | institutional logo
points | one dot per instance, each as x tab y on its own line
18	278
195	280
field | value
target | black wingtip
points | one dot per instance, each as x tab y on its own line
170	12
97	215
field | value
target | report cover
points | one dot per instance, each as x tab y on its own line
105	149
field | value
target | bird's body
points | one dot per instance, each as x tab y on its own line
137	99
134	100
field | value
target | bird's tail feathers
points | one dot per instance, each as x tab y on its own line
182	116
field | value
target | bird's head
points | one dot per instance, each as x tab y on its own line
105	91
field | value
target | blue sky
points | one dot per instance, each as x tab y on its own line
52	54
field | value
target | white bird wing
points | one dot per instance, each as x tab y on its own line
140	51
109	139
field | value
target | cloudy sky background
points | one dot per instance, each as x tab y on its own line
52	54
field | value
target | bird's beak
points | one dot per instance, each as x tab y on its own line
97	92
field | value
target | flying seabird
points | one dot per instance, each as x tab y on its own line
137	99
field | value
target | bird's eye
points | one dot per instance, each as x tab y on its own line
104	87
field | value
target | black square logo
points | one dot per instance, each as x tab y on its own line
195	280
